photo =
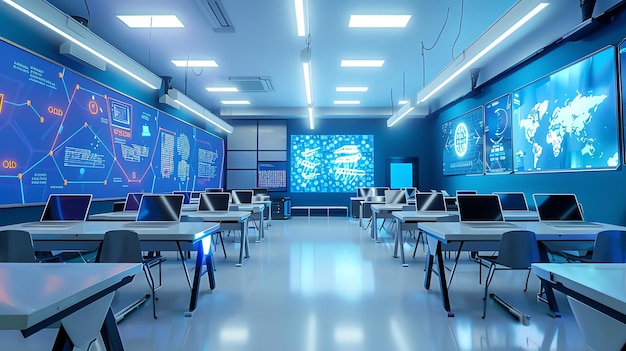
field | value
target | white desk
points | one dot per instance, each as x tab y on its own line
408	220
179	236
382	211
256	209
35	296
476	239
601	286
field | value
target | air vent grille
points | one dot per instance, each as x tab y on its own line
215	13
252	84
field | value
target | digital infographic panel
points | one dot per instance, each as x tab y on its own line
568	120
331	163
498	146
622	63
463	146
272	175
63	133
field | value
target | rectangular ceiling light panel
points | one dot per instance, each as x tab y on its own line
362	63
147	21
379	21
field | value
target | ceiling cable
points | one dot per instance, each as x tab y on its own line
460	26
424	48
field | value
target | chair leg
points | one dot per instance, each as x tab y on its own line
417	241
222	241
487	282
527	276
150	280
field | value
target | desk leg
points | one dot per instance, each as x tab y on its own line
395	245
110	333
63	342
430	258
374	228
262	228
550	298
243	243
197	275
400	236
443	285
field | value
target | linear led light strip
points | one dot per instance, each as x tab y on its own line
311	121
306	68
488	48
193	107
78	42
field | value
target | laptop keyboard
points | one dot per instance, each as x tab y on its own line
48	225
566	224
492	225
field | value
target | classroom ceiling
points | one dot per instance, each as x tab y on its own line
264	44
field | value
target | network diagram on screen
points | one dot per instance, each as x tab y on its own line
568	120
331	163
498	146
463	148
63	133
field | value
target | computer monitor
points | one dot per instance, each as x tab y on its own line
513	201
214	202
260	191
132	201
66	207
557	207
364	192
479	208
242	197
160	207
430	202
380	191
186	196
393	197
466	192
214	190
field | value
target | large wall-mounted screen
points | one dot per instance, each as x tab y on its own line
622	63
63	133
498	146
568	120
331	163
463	145
272	175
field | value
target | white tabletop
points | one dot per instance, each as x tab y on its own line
382	207
32	292
218	216
94	230
455	231
417	216
602	282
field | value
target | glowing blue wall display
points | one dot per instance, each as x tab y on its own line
63	133
568	120
272	175
331	163
498	146
463	146
622	62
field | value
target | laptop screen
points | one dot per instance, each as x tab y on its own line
513	201
557	207
430	202
479	208
186	196
66	207
214	190
242	197
132	201
466	192
409	193
379	191
160	207
214	202
260	191
393	197
364	192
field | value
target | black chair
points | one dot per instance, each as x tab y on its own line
122	246
518	250
609	247
16	246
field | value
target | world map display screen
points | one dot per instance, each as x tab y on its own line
463	144
498	145
568	120
63	133
331	163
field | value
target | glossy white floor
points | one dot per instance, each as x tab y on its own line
322	284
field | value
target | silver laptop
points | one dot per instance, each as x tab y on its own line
560	210
481	211
132	201
431	202
158	210
240	197
62	210
513	201
394	197
214	202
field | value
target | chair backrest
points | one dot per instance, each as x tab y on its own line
120	246
610	247
16	246
518	249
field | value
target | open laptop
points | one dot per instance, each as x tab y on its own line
513	201
466	192
481	211
158	210
560	210
430	202
364	192
132	201
214	190
394	197
186	196
242	197
214	202
195	196
62	210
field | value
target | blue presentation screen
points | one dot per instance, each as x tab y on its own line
63	133
331	163
498	146
622	62
463	145
568	120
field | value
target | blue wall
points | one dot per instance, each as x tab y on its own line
600	192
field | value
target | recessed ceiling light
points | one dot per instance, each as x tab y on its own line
362	63
379	21
347	102
403	102
167	21
222	89
351	89
195	63
235	102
